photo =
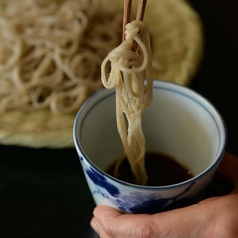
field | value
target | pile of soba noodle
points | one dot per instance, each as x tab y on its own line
51	51
129	71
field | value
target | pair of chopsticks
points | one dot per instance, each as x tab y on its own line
127	13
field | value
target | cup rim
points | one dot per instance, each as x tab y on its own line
158	83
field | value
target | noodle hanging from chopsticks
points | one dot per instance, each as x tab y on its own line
130	73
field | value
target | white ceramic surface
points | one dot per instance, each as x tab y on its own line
179	122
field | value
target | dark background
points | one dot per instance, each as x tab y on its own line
43	192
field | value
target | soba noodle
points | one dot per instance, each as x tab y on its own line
51	51
130	73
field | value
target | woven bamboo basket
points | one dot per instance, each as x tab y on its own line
177	44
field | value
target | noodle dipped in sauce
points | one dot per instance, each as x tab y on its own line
129	71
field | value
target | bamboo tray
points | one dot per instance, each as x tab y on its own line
177	44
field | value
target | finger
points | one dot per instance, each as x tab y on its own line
228	170
191	221
214	217
200	220
118	225
94	225
179	223
98	228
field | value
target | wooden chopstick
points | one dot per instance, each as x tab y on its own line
126	16
141	10
127	12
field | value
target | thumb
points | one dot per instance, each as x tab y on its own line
186	222
195	221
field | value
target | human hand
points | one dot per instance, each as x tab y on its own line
213	217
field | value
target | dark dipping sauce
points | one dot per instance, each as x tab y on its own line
161	169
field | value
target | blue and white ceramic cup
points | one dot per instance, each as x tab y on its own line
179	122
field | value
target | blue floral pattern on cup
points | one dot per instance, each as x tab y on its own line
101	181
135	202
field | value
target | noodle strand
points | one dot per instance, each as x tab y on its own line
51	51
130	73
